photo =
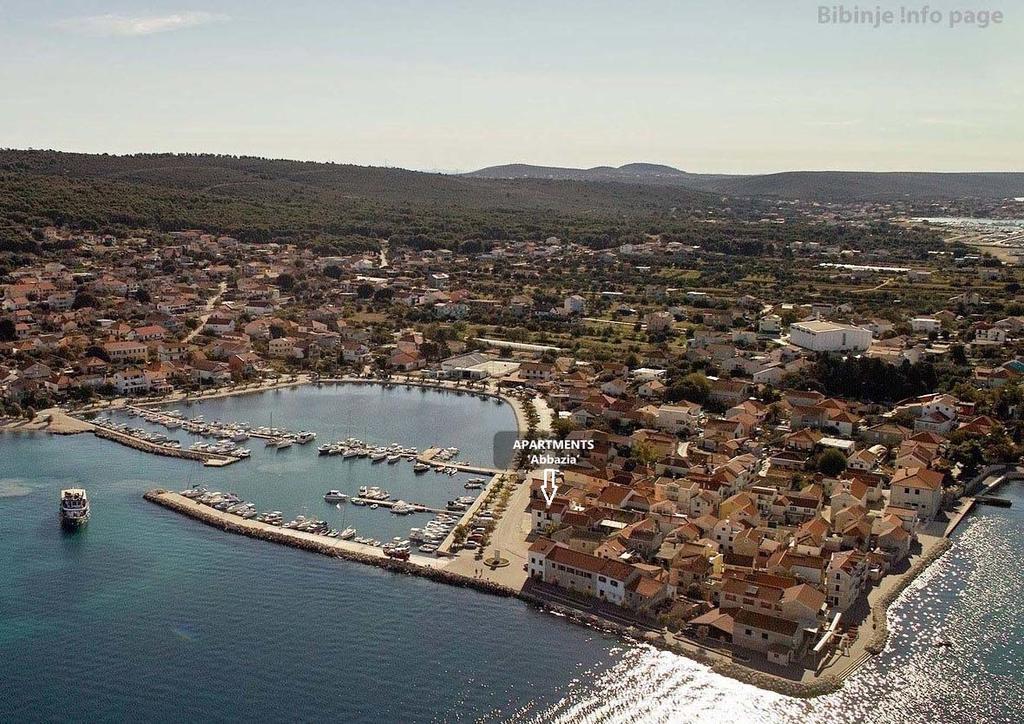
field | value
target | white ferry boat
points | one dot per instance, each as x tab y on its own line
74	507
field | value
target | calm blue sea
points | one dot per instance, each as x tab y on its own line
148	616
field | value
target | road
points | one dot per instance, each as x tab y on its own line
207	311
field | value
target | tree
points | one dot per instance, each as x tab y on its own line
562	427
832	462
334	271
8	331
285	282
84	299
694	387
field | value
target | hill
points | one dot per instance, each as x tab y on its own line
822	186
632	173
258	198
866	186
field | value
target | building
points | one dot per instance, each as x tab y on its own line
677	418
919	489
847	577
925	325
599	577
126	351
575	304
829	337
776	637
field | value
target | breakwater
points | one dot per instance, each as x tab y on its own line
166	450
418	565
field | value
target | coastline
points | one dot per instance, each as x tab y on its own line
58	421
437	570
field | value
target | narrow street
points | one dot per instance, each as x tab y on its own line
208	310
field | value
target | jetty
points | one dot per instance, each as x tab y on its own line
428	455
206	458
416	507
288	536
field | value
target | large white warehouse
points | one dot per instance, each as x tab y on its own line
829	337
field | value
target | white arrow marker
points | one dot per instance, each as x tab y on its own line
550	486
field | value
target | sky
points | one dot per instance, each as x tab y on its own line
724	86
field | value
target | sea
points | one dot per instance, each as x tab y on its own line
147	616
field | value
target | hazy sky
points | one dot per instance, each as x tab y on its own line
713	86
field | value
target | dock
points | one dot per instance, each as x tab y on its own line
446	545
206	458
415	506
427	458
163	418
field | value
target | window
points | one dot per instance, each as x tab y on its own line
749	632
764	636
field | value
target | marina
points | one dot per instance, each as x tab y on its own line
134	440
269	588
233	431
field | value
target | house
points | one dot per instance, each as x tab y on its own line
601	578
925	325
208	371
282	347
536	370
130	381
776	637
219	324
917	488
678	417
847	576
575	304
126	351
405	361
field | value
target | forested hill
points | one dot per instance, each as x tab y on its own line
822	186
840	186
258	199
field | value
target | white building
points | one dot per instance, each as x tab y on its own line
847	578
682	417
829	337
919	489
581	572
925	325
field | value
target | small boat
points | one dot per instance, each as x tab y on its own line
374	506
282	443
473	486
347	534
392	459
420	468
335	496
74	508
324	449
303	437
428	548
358	501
